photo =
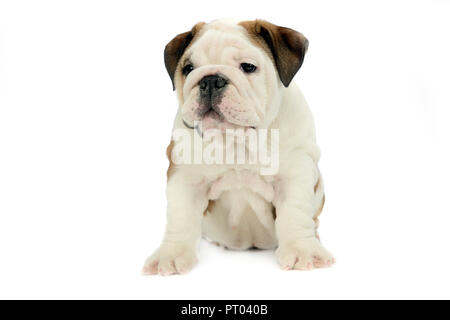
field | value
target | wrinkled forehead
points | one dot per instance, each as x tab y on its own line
223	45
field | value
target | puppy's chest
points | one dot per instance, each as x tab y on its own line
261	186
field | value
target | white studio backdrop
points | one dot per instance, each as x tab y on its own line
86	110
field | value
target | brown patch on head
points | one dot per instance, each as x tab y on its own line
176	47
210	207
171	168
287	47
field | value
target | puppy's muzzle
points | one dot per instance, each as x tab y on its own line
211	89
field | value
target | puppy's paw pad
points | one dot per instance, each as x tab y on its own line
304	255
169	261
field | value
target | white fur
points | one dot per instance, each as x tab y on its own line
242	216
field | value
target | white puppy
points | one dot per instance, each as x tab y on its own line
237	75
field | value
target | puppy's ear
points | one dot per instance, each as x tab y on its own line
287	46
175	48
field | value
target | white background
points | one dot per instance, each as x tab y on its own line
86	110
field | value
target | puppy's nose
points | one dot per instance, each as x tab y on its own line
212	84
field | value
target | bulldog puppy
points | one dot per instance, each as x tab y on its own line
238	75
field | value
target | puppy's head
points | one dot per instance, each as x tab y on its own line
229	74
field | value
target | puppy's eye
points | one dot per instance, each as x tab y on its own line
248	67
187	69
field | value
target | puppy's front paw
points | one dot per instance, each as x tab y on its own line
170	259
303	254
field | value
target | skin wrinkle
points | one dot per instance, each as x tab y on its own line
210	208
319	211
171	168
317	185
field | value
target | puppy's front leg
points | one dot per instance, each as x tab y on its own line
187	200
298	247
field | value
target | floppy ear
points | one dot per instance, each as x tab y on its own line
288	47
175	48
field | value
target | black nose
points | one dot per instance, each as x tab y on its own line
210	85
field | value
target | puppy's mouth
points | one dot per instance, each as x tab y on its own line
213	113
206	113
211	118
